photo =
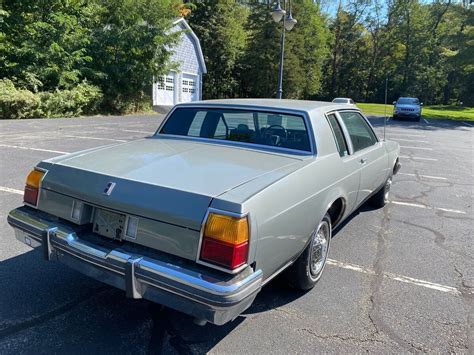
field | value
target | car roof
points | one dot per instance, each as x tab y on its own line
295	105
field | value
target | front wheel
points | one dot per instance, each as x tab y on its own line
307	270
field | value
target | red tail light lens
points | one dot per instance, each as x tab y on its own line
31	195
225	241
32	187
228	255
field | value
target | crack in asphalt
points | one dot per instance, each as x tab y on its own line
467	293
422	197
37	320
439	239
369	339
375	298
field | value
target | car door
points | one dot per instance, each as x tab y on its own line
349	165
368	151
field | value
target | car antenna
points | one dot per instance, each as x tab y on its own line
385	108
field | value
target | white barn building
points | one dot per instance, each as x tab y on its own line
185	84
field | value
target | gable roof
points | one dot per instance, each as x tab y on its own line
195	38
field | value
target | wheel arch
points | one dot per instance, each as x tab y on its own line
336	210
396	166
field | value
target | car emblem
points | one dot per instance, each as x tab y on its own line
109	188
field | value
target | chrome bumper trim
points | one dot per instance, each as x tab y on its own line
200	295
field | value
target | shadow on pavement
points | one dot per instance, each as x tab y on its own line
59	309
47	307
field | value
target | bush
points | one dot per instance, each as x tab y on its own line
17	103
20	103
82	99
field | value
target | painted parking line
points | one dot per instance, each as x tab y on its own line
97	138
417	158
410	140
468	124
35	149
421	148
405	134
133	131
395	277
425	121
10	190
418	205
424	176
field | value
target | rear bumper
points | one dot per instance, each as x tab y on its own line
201	295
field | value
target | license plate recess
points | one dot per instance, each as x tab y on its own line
109	224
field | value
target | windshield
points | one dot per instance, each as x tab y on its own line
408	101
341	101
254	127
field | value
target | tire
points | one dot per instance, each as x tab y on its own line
306	271
394	117
381	198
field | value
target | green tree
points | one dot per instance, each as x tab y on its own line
44	42
130	44
348	64
305	50
219	26
457	47
260	62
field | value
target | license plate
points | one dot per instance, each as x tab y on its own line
109	224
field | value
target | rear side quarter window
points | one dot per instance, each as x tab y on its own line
341	143
360	132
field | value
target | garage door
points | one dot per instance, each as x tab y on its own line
165	90
189	88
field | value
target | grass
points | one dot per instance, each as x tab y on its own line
450	112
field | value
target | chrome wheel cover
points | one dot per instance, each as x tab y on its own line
319	248
388	186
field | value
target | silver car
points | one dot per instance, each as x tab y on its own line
343	100
224	197
407	107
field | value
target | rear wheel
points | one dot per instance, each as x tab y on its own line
309	267
381	198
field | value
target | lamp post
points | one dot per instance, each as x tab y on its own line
288	23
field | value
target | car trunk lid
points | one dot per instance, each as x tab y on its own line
168	180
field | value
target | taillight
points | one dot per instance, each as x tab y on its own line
225	240
32	187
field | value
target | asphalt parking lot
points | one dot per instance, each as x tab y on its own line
400	279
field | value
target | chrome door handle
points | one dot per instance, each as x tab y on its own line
363	161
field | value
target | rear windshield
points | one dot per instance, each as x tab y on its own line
408	101
254	127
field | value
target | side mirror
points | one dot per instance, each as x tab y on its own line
394	102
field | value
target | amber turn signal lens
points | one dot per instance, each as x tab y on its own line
32	187
228	229
34	178
225	241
